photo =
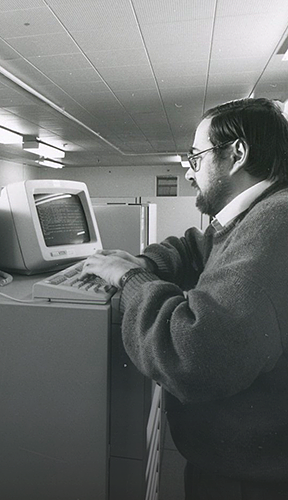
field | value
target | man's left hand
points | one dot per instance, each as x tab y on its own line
109	265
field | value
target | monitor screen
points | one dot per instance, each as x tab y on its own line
62	219
45	225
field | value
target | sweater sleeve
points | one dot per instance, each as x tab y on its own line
213	341
178	260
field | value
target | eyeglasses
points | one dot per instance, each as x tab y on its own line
194	160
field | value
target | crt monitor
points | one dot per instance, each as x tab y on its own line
45	225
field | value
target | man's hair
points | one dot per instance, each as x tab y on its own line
261	124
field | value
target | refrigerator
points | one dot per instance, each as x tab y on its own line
126	226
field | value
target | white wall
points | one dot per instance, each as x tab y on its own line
109	182
16	172
174	214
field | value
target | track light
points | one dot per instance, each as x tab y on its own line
9	137
40	148
184	162
50	163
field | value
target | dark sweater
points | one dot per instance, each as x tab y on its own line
220	349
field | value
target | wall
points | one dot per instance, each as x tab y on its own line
112	182
174	214
16	172
107	182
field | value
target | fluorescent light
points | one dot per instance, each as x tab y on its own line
9	137
185	164
50	163
42	149
285	57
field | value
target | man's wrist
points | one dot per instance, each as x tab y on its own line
129	274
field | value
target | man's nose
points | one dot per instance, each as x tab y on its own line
189	175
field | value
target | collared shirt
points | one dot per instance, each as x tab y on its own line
240	203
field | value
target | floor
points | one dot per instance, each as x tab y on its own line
172	468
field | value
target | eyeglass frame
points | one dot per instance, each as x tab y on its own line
196	166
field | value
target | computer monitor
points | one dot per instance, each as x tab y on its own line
45	225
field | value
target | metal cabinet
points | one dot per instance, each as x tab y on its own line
77	420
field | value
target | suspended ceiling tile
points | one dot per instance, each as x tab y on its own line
30	111
88	87
43	45
137	101
75	77
112	58
37	21
165	42
6	52
233	77
26	72
180	96
276	67
104	38
255	34
55	63
133	83
164	146
9	5
277	91
227	8
179	69
150	117
98	101
9	99
243	89
90	13
230	65
181	81
167	11
126	72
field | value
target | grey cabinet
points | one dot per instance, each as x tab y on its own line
75	419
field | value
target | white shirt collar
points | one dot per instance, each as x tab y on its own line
242	202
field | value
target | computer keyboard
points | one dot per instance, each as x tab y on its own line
66	286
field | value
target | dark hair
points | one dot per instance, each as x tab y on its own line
261	124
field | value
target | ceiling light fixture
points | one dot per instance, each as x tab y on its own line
50	163
9	137
184	162
40	148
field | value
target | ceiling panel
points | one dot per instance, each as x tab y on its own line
7	5
89	14
27	22
43	45
162	12
126	82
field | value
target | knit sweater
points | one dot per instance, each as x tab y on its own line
220	348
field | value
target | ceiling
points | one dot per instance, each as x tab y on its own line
125	82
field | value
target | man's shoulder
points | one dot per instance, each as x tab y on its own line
269	212
276	201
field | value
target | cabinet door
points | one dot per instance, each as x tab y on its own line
53	398
130	400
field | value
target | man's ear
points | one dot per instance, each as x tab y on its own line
240	150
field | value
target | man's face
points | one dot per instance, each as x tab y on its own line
212	180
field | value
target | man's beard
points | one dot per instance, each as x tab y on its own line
215	198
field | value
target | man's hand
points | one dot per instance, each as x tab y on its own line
111	265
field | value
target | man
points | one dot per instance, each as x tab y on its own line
220	348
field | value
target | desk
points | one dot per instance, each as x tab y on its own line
75	413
